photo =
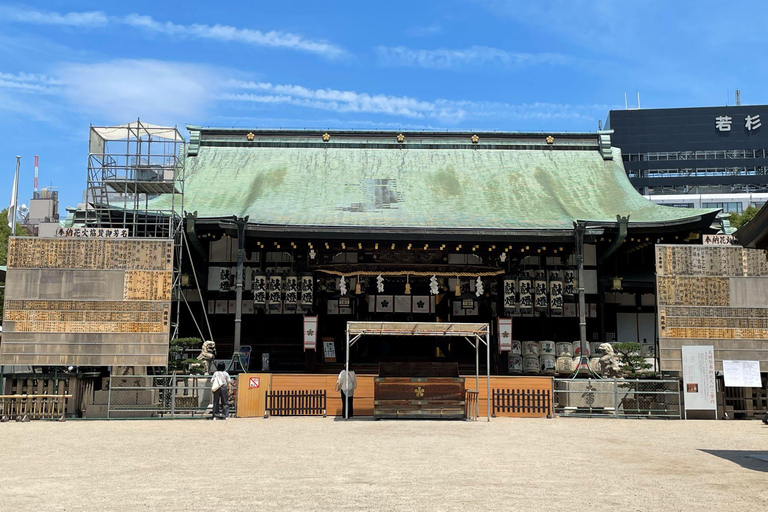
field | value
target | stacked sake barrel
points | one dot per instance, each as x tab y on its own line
531	356
565	362
547	359
516	357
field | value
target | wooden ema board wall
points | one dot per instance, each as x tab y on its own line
87	302
712	295
365	387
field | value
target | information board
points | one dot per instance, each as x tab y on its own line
742	374
699	378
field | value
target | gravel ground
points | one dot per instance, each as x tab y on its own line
326	464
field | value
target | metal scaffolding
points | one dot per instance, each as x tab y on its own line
129	166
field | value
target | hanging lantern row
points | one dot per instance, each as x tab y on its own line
277	291
541	292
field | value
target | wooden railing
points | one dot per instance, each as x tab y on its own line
522	401
33	407
296	403
471	404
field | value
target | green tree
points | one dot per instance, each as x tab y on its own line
740	219
175	354
631	357
5	233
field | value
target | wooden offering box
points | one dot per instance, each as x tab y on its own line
418	390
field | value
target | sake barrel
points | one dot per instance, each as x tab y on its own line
564	349
515	364
546	347
517	348
531	364
547	364
564	365
594	347
531	348
577	348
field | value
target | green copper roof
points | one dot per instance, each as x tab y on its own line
444	186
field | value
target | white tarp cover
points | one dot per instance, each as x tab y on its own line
136	129
417	328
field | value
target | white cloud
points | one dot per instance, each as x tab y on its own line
228	33
72	19
27	82
444	58
175	93
121	90
342	101
450	112
223	33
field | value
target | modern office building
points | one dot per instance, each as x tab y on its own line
710	157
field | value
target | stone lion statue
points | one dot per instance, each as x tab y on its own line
207	353
609	362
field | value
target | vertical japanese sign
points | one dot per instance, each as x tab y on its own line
699	377
505	334
310	332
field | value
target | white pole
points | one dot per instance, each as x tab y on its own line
14	199
477	374
488	372
346	379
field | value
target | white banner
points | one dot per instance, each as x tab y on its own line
742	374
505	334
699	377
310	332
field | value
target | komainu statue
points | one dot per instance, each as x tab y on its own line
609	362
207	353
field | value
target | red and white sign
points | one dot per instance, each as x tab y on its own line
310	333
253	382
505	334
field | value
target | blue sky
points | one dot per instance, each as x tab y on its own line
445	64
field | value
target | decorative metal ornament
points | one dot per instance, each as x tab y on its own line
475	139
550	139
250	136
400	138
326	137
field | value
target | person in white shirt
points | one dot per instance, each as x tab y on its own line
220	382
346	384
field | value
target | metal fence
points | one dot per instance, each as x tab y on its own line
617	398
159	396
